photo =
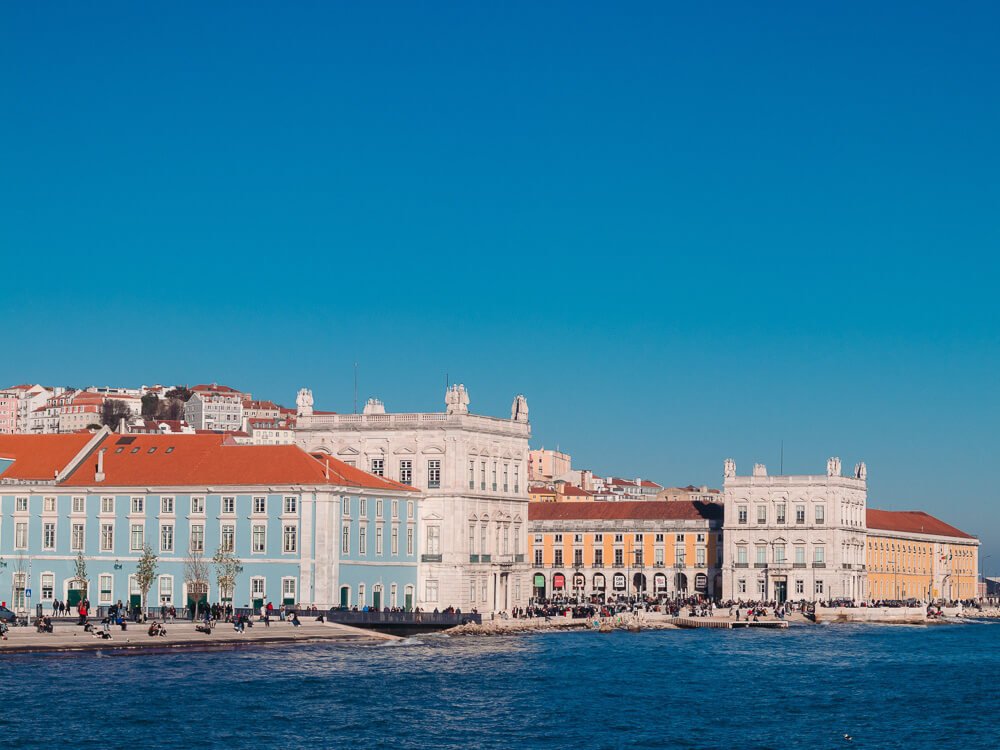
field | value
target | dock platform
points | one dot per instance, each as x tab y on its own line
727	624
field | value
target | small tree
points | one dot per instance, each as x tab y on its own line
145	572
150	406
20	582
196	576
227	568
113	412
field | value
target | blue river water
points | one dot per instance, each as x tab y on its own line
907	687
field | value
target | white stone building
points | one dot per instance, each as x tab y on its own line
794	537
473	473
215	407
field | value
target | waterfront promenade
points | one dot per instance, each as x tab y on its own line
71	638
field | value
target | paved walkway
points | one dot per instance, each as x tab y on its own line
67	638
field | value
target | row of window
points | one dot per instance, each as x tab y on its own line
379	508
637	557
378	596
499	476
345	540
479	532
620	538
405	473
799	586
780	514
137	537
760	554
137	505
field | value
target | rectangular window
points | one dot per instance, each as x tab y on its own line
431	590
136	538
48	536
395	508
819	554
741	514
288	589
104	587
197	538
378	539
395	540
197	505
619	557
227	539
166	590
378	508
259	541
291	505
800	555
800	587
559	558
363	540
538	557
409	509
578	557
779	553
107	537
378	467
700	557
800	514
166	506
409	541
599	557
780	513
78	503
107	505
76	538
741	554
819	586
820	514
741	586
517	481
260	505
363	507
48	586
493	476
228	506
761	552
21	504
483	541
49	505
434	478
506	471
291	539
345	540
433	540
472	486
257	588
761	514
406	471
167	538
482	475
138	505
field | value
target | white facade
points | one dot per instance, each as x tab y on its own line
473	473
214	411
794	537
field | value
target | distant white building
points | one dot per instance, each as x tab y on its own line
473	473
215	407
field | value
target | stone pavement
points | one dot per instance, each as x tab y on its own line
68	638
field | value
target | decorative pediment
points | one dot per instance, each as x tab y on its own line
779	540
741	541
347	450
432	450
507	454
374	450
405	450
799	541
433	517
473	517
517	519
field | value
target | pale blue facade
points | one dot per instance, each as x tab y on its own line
44	528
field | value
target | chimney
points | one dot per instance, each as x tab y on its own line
99	474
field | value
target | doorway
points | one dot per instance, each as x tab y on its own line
781	591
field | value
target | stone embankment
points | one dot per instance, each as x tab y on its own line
631	622
992	612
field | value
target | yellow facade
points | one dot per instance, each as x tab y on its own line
905	566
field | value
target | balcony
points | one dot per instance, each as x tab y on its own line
618	565
519	558
657	565
846	566
598	565
760	565
473	558
680	565
819	564
741	565
798	565
484	558
431	558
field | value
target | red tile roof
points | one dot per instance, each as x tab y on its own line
573	491
40	456
608	511
205	460
911	521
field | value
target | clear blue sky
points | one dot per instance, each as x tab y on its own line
684	233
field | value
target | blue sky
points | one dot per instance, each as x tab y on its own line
684	233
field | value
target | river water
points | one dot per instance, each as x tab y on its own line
934	687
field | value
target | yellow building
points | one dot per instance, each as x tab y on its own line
600	551
559	492
912	555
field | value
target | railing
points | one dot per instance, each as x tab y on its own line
431	558
741	565
819	564
846	566
473	558
798	565
760	565
679	565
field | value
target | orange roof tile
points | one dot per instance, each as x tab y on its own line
911	521
40	456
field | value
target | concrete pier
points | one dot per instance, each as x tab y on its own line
727	624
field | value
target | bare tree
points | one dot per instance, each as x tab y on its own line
227	568
19	583
145	572
196	576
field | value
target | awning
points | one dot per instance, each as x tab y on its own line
558	581
539	581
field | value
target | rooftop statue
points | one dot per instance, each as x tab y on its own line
456	400
304	402
519	409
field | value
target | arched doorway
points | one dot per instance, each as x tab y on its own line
618	582
538	586
659	584
345	597
639	583
701	583
558	584
579	584
600	584
681	583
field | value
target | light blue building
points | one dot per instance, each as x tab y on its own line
306	530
